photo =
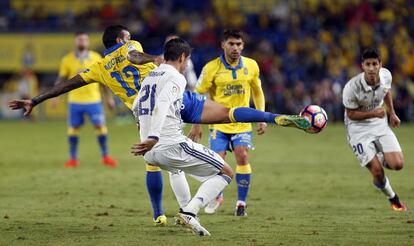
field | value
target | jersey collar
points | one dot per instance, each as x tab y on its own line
113	48
368	87
233	69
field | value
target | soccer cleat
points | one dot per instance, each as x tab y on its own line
397	205
240	210
296	121
160	220
71	163
214	205
109	162
191	221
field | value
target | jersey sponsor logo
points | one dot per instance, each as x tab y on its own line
156	74
114	61
370	107
234	90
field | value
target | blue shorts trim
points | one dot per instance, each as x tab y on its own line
221	142
192	107
76	112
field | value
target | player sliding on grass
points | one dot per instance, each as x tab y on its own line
369	135
122	69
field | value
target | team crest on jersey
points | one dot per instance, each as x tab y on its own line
246	72
174	90
131	47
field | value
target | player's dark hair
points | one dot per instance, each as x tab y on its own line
111	33
231	33
174	48
80	33
370	53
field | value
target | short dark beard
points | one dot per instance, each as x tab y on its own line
81	48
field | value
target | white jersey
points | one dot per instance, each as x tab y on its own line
157	106
357	94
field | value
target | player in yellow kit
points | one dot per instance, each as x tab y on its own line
230	80
84	100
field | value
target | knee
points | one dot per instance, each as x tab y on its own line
101	129
398	165
241	156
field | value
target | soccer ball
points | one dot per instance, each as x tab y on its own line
316	116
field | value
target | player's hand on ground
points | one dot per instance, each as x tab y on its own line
196	132
143	147
19	104
261	128
379	112
394	120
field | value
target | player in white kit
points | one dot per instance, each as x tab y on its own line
370	137
163	144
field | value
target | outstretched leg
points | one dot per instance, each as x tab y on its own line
216	113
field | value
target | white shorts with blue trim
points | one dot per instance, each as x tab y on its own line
367	141
193	158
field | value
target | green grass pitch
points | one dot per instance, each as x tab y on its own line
306	190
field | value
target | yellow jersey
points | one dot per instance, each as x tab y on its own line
70	66
117	73
231	86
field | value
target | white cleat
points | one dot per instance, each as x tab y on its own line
212	207
192	223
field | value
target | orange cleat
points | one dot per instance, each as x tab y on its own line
109	162
72	163
397	205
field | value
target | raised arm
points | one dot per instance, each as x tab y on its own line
140	58
56	90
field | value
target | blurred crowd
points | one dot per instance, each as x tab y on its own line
306	49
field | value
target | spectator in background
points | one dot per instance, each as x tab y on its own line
308	40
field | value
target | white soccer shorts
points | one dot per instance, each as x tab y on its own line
366	142
192	158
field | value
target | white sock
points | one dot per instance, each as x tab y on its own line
207	192
387	189
180	188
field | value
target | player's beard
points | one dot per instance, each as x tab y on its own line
234	56
82	48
